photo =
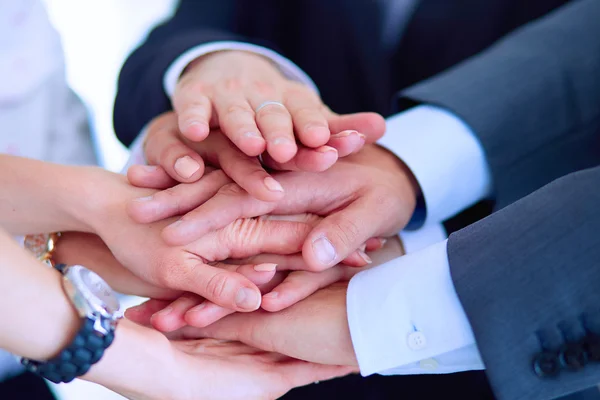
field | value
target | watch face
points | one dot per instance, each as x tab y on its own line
100	291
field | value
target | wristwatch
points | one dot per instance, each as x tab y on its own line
98	307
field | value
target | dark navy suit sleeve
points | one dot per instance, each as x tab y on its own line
532	99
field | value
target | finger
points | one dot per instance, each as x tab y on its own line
176	200
297	286
250	237
347	142
340	233
309	120
225	288
149	176
236	118
370	124
142	313
275	124
375	244
193	108
166	148
229	204
194	310
170	318
249	174
309	160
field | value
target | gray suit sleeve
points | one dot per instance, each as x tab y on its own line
528	277
532	99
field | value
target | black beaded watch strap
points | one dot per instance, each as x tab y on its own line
86	349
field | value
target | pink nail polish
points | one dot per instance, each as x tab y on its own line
272	184
326	149
343	134
186	167
265	267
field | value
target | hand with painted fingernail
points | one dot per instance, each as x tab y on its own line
184	160
199	266
367	195
291	284
255	106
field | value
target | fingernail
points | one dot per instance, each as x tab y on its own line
272	295
272	184
247	299
343	134
165	311
265	267
144	199
326	149
365	257
324	250
363	247
362	136
252	135
197	308
383	242
186	166
149	168
281	140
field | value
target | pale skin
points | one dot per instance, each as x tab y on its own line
141	363
73	197
225	90
365	195
315	329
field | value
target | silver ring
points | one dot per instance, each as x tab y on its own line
268	103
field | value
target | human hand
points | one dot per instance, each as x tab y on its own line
315	329
284	290
77	248
183	160
198	267
366	195
253	103
198	369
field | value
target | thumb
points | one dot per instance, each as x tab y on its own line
339	235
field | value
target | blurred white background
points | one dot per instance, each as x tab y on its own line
97	36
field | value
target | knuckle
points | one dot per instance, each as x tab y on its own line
191	85
218	285
231	190
346	231
232	84
238	110
262	88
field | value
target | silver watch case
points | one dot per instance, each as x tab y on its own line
92	297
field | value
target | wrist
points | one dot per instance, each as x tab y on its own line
105	196
235	57
137	363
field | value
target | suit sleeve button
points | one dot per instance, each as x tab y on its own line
546	365
572	356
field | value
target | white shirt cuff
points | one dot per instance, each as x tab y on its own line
136	151
287	68
406	313
445	157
